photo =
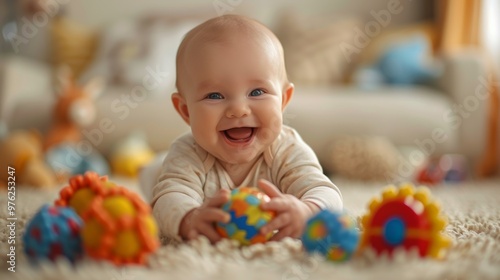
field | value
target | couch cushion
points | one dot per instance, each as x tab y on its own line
407	115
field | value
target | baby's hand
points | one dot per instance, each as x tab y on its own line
291	213
200	221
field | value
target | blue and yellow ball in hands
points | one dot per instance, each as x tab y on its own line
247	218
332	235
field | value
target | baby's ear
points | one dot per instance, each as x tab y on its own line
180	106
287	95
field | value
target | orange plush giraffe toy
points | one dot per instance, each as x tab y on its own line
74	109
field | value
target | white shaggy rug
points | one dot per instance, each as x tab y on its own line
473	210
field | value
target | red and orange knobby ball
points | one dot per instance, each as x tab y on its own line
405	217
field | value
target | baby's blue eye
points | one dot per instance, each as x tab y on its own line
214	95
256	92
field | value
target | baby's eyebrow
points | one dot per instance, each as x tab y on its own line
206	85
260	81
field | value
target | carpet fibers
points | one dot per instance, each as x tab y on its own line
472	208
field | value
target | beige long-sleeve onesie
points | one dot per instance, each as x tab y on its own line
190	175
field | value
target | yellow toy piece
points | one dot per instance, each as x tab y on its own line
82	189
405	217
131	155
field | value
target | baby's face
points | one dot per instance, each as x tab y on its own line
234	95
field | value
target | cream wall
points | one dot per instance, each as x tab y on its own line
97	13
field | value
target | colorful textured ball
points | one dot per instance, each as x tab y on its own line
119	227
246	216
52	233
333	235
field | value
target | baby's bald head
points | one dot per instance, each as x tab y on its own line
224	28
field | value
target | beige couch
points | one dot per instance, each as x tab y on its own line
419	116
449	117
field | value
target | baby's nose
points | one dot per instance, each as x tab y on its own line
238	109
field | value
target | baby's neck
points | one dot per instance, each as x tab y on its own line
238	172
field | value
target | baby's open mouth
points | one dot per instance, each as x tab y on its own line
239	134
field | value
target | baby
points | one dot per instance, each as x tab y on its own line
232	91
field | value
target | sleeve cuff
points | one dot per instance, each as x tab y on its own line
169	211
324	197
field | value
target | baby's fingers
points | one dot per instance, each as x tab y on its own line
211	215
277	223
193	234
220	198
209	231
269	189
285	232
278	204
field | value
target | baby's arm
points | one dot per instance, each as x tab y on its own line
296	171
324	198
304	188
179	190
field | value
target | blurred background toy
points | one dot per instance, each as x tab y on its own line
74	109
405	218
66	152
131	154
411	47
246	216
22	150
52	233
66	160
407	62
333	235
448	168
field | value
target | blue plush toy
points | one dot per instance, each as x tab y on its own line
53	232
405	63
66	159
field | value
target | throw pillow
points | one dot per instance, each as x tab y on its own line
312	48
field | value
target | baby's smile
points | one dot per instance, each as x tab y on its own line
239	136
